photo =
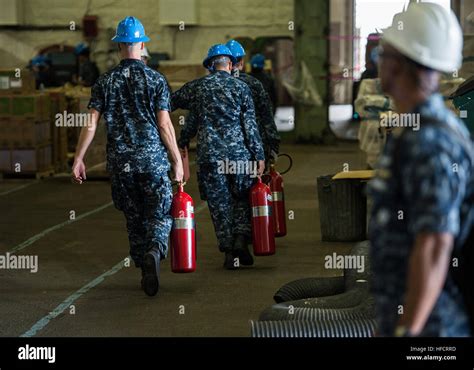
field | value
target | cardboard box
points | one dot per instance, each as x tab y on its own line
34	133
10	133
59	104
32	159
14	81
33	106
6	134
14	136
24	133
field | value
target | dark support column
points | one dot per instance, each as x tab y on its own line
312	47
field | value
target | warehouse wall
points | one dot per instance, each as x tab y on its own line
217	23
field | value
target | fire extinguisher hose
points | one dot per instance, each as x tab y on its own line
290	164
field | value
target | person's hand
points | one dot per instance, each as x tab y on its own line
79	171
261	168
177	171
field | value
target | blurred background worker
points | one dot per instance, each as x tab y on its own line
226	131
424	186
258	71
87	71
145	56
40	65
371	64
134	101
263	105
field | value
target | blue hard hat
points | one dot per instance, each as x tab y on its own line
80	48
40	60
257	61
216	50
236	49
130	29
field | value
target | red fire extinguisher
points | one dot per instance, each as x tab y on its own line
275	181
183	234
263	234
278	197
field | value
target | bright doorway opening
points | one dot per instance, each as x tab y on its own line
373	16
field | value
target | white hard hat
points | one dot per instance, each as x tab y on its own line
428	34
145	53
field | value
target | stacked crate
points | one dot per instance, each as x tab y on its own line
59	134
96	154
16	81
25	133
95	158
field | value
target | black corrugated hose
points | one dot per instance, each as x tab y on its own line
354	297
309	287
339	306
313	329
321	287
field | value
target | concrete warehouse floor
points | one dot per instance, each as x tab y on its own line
73	256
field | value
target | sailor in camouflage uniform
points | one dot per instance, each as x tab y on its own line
134	101
263	104
257	62
226	131
423	192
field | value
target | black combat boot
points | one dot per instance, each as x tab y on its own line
229	261
241	250
151	272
